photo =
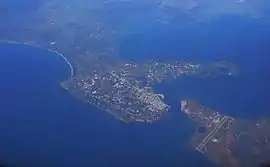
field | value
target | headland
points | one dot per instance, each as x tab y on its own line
227	141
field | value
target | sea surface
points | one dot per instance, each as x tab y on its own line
244	42
43	126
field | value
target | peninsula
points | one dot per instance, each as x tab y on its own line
226	141
84	38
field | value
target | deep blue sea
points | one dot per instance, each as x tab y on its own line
43	126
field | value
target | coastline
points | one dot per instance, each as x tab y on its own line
49	50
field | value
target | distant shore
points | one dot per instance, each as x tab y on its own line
49	50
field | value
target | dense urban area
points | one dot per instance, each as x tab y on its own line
126	90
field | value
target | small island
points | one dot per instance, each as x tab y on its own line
226	141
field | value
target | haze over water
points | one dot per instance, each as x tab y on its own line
42	125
